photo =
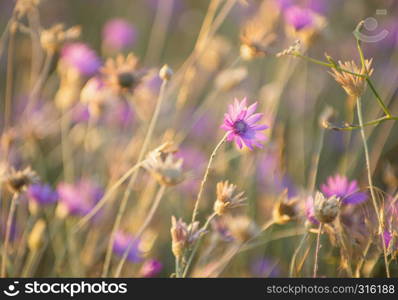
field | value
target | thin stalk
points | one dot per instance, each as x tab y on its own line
202	184
295	254
197	244
10	217
370	180
9	78
109	193
123	204
143	227
317	247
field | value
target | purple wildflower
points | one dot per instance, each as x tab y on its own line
341	187
240	124
81	197
42	194
121	243
119	34
151	268
298	17
81	57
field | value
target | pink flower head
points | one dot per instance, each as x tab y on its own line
81	57
119	34
240	124
341	187
298	17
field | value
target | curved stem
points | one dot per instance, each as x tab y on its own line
202	184
9	79
123	204
318	244
8	233
144	226
196	247
371	187
295	254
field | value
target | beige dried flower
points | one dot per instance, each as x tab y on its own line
183	235
257	33
241	228
53	38
285	210
121	73
18	181
227	198
352	84
24	6
164	168
326	209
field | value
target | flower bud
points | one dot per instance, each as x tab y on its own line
165	72
326	209
36	236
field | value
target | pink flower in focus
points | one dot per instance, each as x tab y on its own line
240	124
341	187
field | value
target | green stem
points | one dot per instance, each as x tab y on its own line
318	244
8	233
202	184
371	187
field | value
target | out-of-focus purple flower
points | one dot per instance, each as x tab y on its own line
341	187
80	57
309	211
121	243
42	194
240	124
151	268
118	34
298	17
79	198
120	114
264	267
320	6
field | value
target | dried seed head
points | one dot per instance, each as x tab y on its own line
36	236
326	209
53	38
18	181
241	228
24	6
165	72
227	198
352	84
182	235
163	167
257	33
293	49
121	73
284	210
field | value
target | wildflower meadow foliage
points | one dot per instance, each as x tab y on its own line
217	138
